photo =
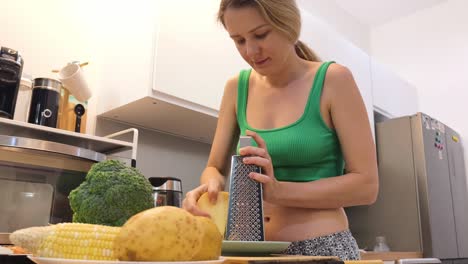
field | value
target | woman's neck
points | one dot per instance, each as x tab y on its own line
293	69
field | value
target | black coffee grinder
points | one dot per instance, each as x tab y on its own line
11	68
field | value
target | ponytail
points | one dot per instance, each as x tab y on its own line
304	52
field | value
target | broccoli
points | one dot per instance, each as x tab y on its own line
111	193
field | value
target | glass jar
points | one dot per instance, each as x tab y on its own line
381	244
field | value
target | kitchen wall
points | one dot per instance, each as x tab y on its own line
430	50
161	155
48	34
344	23
115	37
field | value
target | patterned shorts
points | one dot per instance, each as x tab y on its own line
341	244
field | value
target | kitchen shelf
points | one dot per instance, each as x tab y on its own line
99	144
168	114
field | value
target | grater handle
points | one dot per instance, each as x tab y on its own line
245	141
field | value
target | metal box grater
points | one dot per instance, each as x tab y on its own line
245	216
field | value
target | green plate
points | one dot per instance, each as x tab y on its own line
253	248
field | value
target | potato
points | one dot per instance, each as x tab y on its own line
218	211
211	242
160	234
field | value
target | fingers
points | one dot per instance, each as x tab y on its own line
191	198
193	209
261	150
200	190
259	161
260	142
260	177
257	155
253	151
262	162
213	193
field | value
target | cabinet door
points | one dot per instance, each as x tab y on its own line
330	45
391	93
194	54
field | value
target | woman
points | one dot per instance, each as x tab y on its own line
309	122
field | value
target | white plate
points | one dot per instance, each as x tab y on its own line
253	248
40	260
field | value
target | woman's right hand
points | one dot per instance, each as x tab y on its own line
191	198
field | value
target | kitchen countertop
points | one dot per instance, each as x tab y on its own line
389	256
366	257
282	259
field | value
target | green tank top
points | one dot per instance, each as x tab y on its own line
305	150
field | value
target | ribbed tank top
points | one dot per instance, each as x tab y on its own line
305	150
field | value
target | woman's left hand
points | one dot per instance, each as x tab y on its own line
259	156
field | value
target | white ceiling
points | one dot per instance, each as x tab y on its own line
377	12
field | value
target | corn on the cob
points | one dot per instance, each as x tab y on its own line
30	238
69	240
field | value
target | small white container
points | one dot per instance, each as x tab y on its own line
73	79
23	100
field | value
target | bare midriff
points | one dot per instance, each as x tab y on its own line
295	224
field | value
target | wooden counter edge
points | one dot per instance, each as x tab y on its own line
276	259
386	256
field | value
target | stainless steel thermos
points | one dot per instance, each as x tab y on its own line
166	191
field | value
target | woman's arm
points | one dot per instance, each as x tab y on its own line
359	186
227	131
212	179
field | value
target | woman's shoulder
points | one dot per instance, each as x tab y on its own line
340	87
231	85
337	78
338	74
232	81
335	74
230	91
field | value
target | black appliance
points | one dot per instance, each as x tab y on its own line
45	102
11	68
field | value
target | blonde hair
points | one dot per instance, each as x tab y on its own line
283	15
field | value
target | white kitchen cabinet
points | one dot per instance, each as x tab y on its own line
393	96
180	92
330	45
194	54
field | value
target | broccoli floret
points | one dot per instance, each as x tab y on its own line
111	193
